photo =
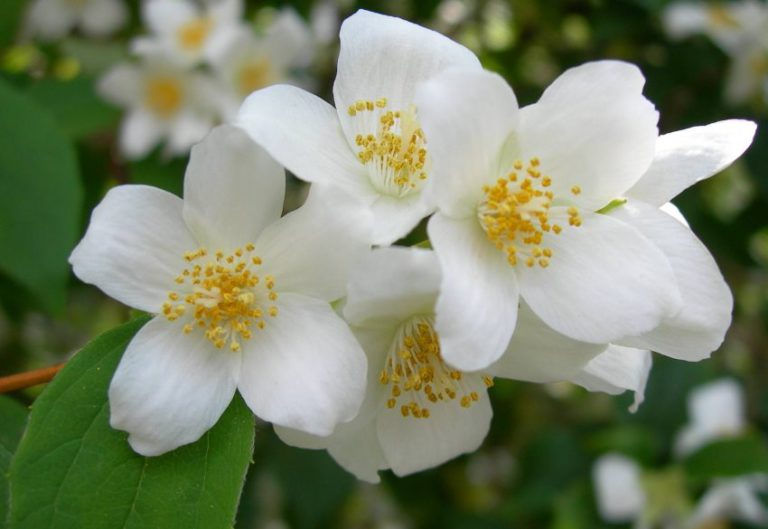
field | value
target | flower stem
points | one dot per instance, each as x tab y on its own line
28	379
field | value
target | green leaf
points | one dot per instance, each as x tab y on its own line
10	16
40	197
75	105
13	418
73	471
730	457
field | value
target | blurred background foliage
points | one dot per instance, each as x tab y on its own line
534	469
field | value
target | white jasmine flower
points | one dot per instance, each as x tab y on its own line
241	296
53	19
372	144
250	62
186	34
419	411
618	488
716	411
519	194
683	158
732	499
740	29
163	102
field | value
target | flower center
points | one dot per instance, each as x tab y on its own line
163	95
393	149
515	214
192	35
253	75
224	296
417	374
719	17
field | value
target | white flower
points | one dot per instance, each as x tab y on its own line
740	29
250	62
53	19
732	499
716	411
241	297
372	144
683	158
420	411
519	194
618	488
163	102
188	35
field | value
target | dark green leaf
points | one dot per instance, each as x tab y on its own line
77	108
40	196
730	457
73	471
13	418
10	16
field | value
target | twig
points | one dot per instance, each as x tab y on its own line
28	379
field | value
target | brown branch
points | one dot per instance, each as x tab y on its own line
28	379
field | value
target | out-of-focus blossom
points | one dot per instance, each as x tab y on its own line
251	62
618	488
520	196
164	103
735	499
53	19
716	411
186	33
740	29
372	144
240	297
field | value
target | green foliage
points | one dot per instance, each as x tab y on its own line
40	197
13	418
728	458
10	14
72	470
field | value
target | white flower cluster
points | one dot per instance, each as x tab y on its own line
716	412
740	30
195	67
557	255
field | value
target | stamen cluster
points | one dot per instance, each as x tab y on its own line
224	298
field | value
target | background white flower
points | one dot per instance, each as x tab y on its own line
618	488
371	145
241	296
518	194
732	499
164	103
53	19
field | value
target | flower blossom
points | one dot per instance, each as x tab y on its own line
241	298
164	102
372	144
53	19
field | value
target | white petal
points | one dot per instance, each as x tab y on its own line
163	17
411	444
467	117
477	307
134	246
232	189
139	133
360	453
122	85
304	370
687	156
301	439
592	128
683	19
303	133
169	388
313	249
395	217
187	128
700	326
383	56
48	20
616	370
536	353
733	499
605	281
103	17
391	285
289	39
618	488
